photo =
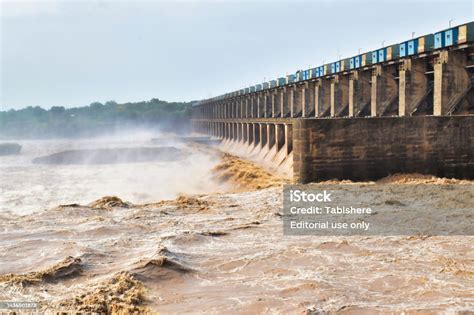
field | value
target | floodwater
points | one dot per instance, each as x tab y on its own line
216	252
26	187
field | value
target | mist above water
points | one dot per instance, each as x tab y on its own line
26	187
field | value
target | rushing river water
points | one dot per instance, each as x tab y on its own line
26	187
215	253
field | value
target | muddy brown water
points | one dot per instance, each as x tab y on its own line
225	252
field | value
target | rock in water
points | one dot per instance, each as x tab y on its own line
9	148
112	156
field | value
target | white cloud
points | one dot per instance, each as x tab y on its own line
20	8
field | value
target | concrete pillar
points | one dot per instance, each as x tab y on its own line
297	100
247	106
451	81
279	136
256	134
291	99
323	97
359	92
259	104
413	85
262	105
251	106
245	133
308	100
268	104
270	135
233	128
250	130
285	102
276	103
239	131
339	95
263	134
384	90
255	104
288	138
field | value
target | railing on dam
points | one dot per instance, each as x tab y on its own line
433	84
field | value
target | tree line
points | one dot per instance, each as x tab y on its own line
97	118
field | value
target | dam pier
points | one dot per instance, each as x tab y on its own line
407	107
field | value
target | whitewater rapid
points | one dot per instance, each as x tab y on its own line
26	187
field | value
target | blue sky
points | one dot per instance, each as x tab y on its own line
72	53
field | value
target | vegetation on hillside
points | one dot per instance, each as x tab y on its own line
97	118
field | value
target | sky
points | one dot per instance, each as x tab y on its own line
73	53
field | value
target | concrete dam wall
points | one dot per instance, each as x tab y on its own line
307	150
372	148
412	113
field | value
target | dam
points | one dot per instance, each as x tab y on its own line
407	107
